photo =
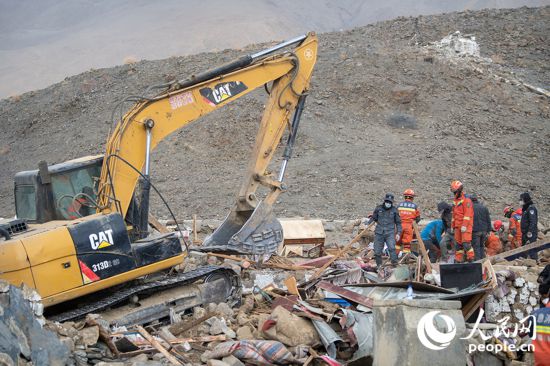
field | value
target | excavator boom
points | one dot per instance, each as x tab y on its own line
152	120
78	246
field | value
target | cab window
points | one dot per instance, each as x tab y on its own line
67	185
25	202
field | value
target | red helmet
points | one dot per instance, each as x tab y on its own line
519	211
497	225
408	193
508	210
456	185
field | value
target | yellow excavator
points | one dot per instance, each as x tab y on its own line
82	226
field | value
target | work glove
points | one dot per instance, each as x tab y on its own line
529	235
463	229
397	236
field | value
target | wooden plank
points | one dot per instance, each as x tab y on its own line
158	346
488	268
473	304
244	263
184	326
291	285
157	225
538	245
423	251
346	294
341	252
195	234
287	266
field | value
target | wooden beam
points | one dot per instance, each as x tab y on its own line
346	294
157	225
423	251
158	346
341	252
539	245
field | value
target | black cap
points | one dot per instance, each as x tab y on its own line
389	197
525	197
443	206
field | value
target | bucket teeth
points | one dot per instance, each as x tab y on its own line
250	232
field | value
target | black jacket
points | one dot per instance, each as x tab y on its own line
446	215
482	218
529	222
387	220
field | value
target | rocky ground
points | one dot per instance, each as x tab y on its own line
387	111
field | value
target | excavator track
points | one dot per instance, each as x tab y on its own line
205	273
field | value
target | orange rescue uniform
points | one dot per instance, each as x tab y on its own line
463	215
408	212
515	228
493	244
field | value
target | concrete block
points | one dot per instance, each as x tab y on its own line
396	340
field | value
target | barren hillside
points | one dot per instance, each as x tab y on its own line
357	140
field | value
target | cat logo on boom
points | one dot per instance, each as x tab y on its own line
102	239
223	91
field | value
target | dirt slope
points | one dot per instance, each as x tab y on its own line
464	122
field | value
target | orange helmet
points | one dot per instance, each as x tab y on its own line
508	210
408	193
456	185
497	225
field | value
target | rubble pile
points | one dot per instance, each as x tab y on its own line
23	339
458	45
331	307
517	293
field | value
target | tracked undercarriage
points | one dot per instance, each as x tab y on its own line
155	297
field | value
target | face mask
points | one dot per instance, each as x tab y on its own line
545	301
521	203
387	204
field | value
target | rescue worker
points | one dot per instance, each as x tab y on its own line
514	226
493	244
431	236
481	228
541	328
388	229
529	222
462	222
544	279
447	243
408	212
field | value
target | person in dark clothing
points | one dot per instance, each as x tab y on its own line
544	279
388	229
447	240
529	222
481	228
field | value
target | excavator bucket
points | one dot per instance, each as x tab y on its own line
256	231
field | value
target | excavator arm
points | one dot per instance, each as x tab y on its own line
250	227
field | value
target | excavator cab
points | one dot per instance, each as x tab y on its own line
58	192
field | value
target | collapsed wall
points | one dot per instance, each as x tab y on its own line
22	336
